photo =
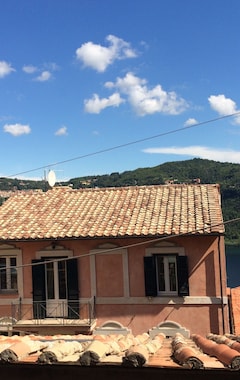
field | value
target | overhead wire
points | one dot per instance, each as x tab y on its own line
125	144
119	248
118	147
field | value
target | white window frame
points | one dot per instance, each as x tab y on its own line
167	290
7	252
166	250
8	269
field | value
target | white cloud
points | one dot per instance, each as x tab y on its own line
5	69
51	66
99	57
29	69
189	122
44	76
96	105
220	155
17	129
45	71
61	131
224	106
147	101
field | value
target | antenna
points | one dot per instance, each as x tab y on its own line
51	178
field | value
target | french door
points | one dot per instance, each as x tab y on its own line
56	288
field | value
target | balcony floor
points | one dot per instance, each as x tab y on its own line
53	326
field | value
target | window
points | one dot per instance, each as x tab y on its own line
56	281
8	273
166	275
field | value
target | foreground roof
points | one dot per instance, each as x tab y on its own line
112	212
140	351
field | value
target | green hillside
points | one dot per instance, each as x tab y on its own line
179	172
189	171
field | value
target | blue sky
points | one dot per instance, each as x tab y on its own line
81	77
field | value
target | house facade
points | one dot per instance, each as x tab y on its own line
136	255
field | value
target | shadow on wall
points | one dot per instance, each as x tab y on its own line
211	289
209	268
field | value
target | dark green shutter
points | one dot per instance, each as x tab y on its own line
39	289
150	276
182	271
72	288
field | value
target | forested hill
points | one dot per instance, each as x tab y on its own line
189	171
176	172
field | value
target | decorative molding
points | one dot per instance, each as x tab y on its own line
164	244
54	252
161	301
124	253
137	301
165	250
7	246
29	301
53	246
169	329
111	327
107	246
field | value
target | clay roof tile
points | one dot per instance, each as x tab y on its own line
126	211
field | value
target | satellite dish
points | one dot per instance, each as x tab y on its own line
51	178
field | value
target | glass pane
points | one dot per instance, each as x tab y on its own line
172	274
160	273
13	273
3	274
62	279
50	281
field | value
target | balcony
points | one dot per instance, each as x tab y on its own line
72	317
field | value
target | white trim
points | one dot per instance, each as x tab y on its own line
164	244
165	250
161	300
7	246
139	300
28	301
126	290
7	250
124	253
54	306
93	275
54	252
166	274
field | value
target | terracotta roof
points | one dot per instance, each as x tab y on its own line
235	308
132	351
112	212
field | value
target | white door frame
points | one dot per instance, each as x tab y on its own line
55	307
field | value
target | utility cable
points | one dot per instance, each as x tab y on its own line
125	144
115	249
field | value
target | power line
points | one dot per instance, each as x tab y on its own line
125	144
115	249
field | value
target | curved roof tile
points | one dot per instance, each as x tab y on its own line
106	212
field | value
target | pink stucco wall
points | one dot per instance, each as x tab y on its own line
207	277
200	319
